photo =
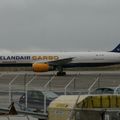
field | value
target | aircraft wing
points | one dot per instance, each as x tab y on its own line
61	61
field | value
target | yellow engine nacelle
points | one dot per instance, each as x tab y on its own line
40	67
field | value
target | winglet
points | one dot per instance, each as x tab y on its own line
117	49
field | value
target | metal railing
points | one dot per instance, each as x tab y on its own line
96	80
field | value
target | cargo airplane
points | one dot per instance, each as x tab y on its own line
46	61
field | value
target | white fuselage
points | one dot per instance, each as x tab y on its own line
43	57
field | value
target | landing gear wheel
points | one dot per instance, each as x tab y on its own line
61	73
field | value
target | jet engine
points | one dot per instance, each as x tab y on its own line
41	67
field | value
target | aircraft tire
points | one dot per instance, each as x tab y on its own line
61	73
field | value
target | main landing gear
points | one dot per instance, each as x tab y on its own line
60	71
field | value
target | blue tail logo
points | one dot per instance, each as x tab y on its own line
117	49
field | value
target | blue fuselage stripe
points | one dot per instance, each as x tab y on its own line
88	64
65	65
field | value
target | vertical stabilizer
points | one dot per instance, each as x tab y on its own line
117	49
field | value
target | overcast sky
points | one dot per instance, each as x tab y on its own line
59	25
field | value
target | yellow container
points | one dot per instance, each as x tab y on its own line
64	107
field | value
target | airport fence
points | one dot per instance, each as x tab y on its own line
14	85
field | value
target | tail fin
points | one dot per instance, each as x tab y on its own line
117	49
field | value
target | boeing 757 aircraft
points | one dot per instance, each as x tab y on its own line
46	61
